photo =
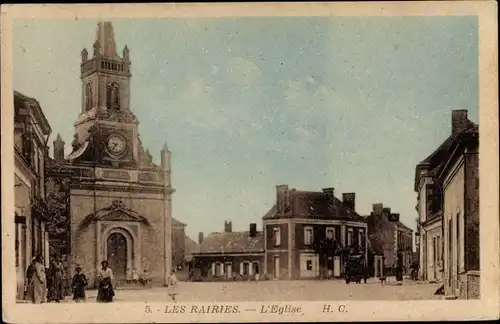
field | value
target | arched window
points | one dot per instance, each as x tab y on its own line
113	96
88	97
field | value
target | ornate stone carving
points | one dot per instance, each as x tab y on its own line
113	174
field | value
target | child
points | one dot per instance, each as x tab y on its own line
135	276
129	276
144	278
79	284
172	285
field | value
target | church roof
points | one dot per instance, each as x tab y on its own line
232	242
106	38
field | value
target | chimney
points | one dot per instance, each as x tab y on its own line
253	229
349	200
377	208
58	148
282	199
330	194
386	210
228	227
459	121
200	237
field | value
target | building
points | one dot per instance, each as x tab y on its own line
390	237
120	201
178	243
308	234
229	255
430	202
459	177
31	133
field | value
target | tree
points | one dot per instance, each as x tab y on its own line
58	224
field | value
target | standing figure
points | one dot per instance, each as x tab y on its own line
56	273
30	272
79	283
172	285
129	276
38	285
135	276
105	292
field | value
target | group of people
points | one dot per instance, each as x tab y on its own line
46	285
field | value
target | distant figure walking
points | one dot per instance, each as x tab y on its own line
172	285
37	286
105	292
79	283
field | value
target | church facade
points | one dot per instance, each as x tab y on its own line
119	202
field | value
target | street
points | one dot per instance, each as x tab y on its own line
279	291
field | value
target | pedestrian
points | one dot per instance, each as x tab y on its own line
30	272
105	292
37	287
79	283
129	276
56	274
172	285
135	276
143	279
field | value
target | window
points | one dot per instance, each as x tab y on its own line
17	245
349	237
330	233
246	268
88	97
277	236
309	265
113	96
361	240
308	235
218	270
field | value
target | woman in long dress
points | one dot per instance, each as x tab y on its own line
105	291
56	291
172	285
37	287
79	283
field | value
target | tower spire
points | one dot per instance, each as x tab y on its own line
105	37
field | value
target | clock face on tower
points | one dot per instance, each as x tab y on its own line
116	144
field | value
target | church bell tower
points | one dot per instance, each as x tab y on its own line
106	119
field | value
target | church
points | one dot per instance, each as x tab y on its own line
117	203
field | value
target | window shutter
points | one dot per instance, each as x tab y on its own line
250	268
241	268
213	269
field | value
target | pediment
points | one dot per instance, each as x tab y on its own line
121	215
116	212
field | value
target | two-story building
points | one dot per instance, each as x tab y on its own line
229	255
430	234
388	235
308	234
460	185
31	133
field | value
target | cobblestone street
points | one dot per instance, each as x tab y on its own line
279	291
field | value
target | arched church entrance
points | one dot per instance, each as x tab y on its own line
119	252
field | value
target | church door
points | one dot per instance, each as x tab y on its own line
117	254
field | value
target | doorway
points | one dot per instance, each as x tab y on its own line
117	254
276	267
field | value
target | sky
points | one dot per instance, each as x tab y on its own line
246	104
